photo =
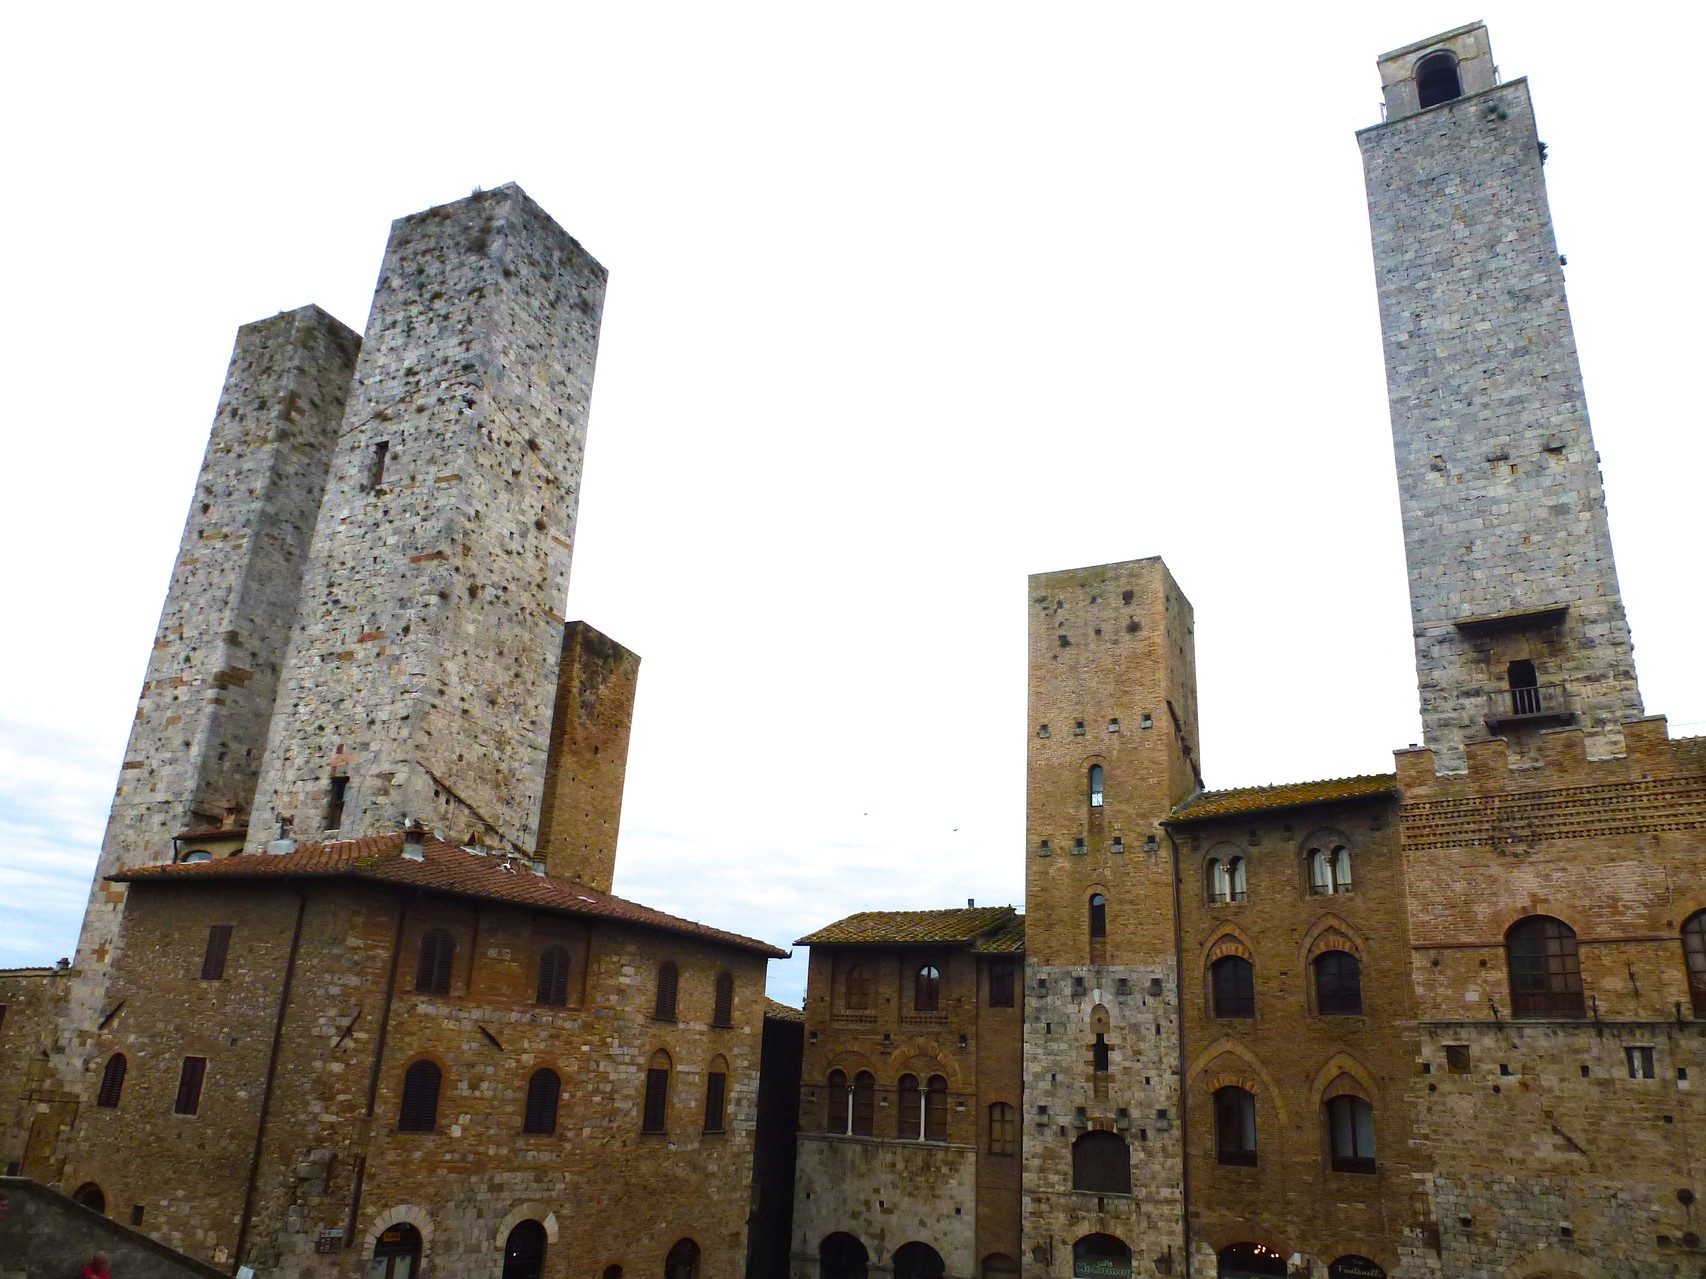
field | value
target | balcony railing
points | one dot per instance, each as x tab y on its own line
1535	703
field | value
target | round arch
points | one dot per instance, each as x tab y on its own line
842	1256
1099	1256
539	1212
918	1261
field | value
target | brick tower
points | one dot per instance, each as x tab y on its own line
422	669
201	722
1112	732
1518	621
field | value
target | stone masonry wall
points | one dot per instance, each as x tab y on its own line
588	763
423	666
201	723
33	1104
1502	501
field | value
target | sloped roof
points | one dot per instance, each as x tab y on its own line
775	1010
911	926
444	868
1009	939
1254	799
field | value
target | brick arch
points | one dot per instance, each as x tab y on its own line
1504	920
1553	1263
992	1095
1244	1232
1249	1072
1382	1254
1342	1063
415	1215
942	1060
1326	835
851	1062
1227	939
1331	932
1687	906
530	1211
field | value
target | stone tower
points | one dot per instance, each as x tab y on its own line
1518	622
422	669
1112	747
201	722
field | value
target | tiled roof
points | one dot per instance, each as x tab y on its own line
1255	799
444	868
1009	939
777	1011
907	926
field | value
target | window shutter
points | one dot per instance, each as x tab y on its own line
419	1111
668	979
553	977
716	1089
724	1014
112	1081
657	1100
543	1091
218	945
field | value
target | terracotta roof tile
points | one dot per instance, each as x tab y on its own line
906	926
778	1011
1255	799
444	868
1009	939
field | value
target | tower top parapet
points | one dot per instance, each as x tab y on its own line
1429	72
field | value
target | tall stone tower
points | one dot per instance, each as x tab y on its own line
1518	621
201	723
423	665
1112	732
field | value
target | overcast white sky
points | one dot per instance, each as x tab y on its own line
907	301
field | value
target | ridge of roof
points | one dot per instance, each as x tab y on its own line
444	867
958	924
776	1010
1250	799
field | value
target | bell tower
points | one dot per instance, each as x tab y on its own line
1514	602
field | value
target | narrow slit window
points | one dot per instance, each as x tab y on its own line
112	1082
336	793
716	1100
1096	777
723	1013
655	1113
432	971
419	1109
376	464
190	1079
553	987
544	1092
213	958
668	979
1098	917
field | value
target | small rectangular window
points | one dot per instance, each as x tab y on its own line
376	464
335	803
218	946
189	1086
136	1214
716	1088
1001	985
1640	1062
657	1100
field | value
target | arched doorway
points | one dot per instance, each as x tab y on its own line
90	1196
1351	1266
524	1251
396	1253
1101	1257
841	1256
1250	1261
683	1261
998	1265
918	1261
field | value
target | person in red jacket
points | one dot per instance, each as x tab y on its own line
97	1268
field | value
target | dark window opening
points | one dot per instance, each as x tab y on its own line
213	958
864	1104
1545	969
656	1111
544	1092
927	989
1437	80
723	1013
1101	1164
668	979
1099	1054
112	1081
841	1256
936	1109
524	1251
1098	917
683	1261
1096	776
1338	984
91	1197
839	1113
911	1122
553	988
1001	983
1694	959
189	1086
1525	688
136	1214
335	795
396	1253
1640	1062
716	1098
1350	1133
1233	979
1235	1127
1250	1260
376	464
918	1261
432	971
1457	1059
419	1109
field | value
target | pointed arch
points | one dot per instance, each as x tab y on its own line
1555	1261
1342	1065
1248	1073
1228	939
1331	931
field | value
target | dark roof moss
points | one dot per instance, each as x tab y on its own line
1206	805
904	927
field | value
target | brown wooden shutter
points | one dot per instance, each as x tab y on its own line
218	946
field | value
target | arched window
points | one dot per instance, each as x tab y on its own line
1524	683
1329	868
1235	1126
936	1109
1251	1261
1095	785
419	1110
911	1122
524	1251
927	989
1437	80
841	1256
1240	886
1694	959
717	1095
1098	917
1219	883
864	1104
1100	1255
723	1010
112	1081
1233	979
858	988
544	1090
553	988
1338	984
683	1261
1099	1054
1546	972
611	1272
197	855
432	973
1101	1163
90	1196
654	1116
1003	1129
839	1118
1350	1133
668	979
396	1253
918	1261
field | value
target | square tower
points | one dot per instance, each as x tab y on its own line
1518	622
1112	747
